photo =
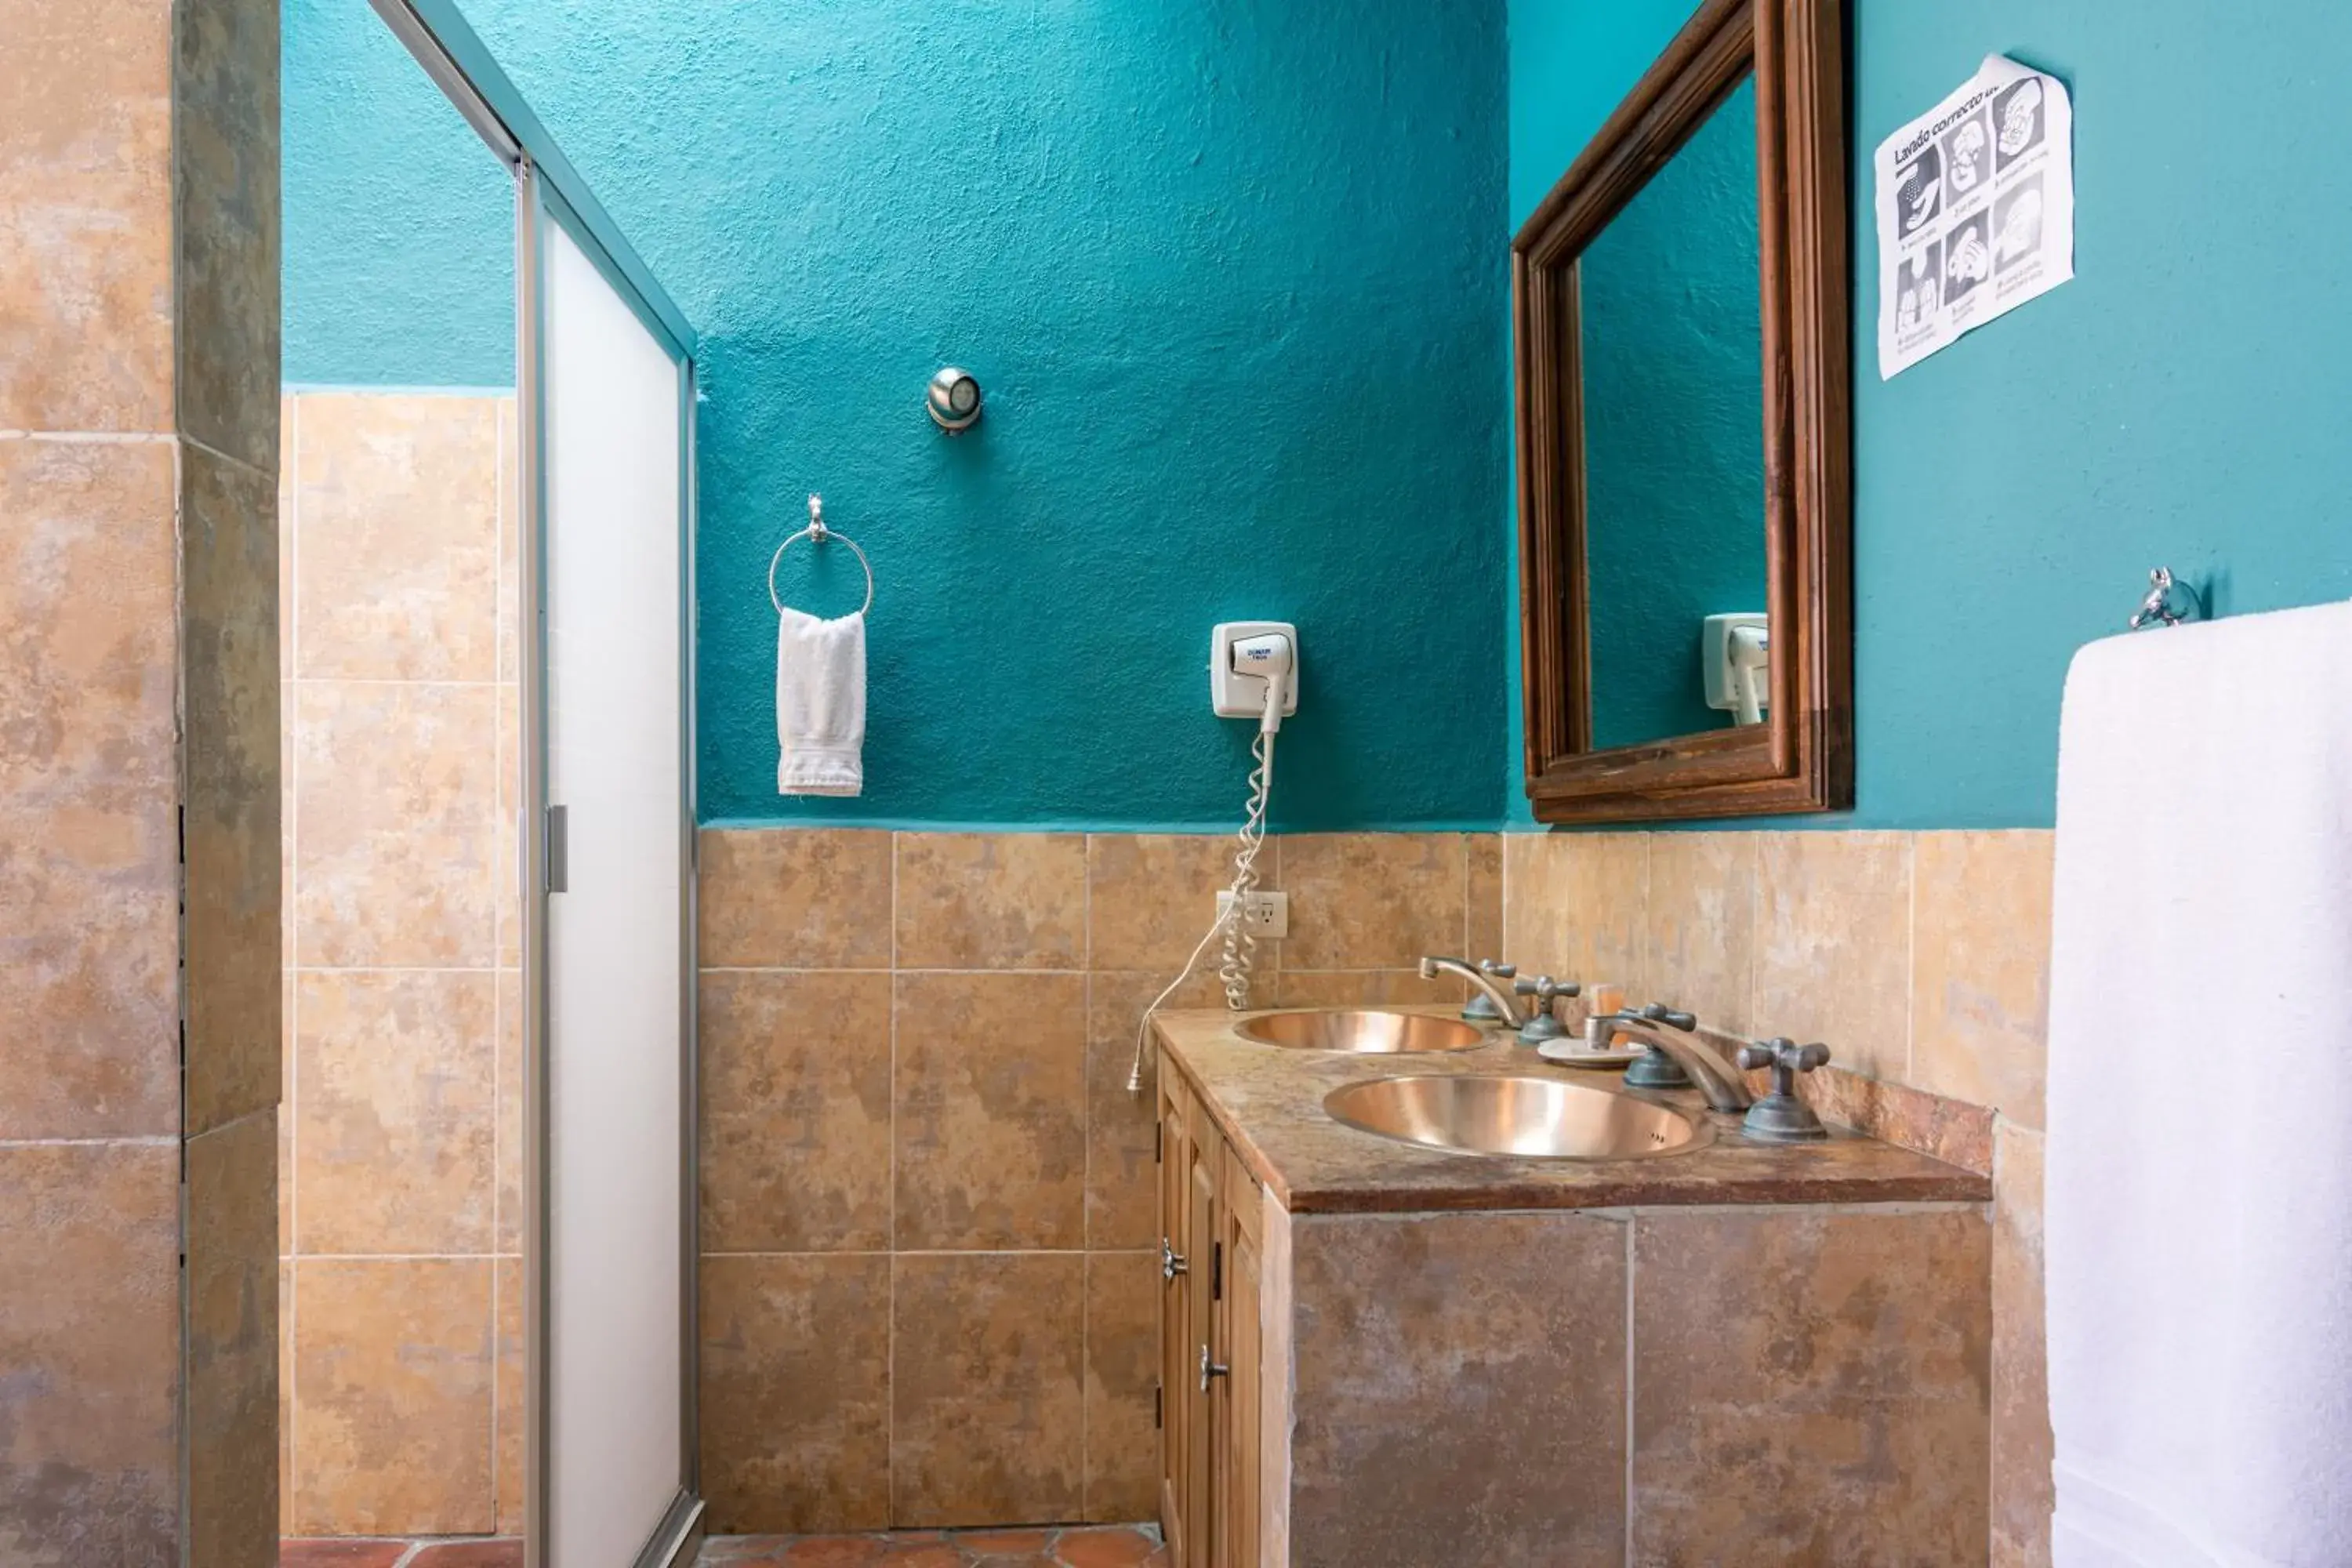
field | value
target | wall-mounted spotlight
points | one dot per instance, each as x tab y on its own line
953	400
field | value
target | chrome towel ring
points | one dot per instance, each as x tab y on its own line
817	532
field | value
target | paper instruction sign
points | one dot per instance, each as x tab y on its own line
1976	209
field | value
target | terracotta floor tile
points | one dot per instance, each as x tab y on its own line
830	1551
1105	1549
469	1555
340	1554
922	1554
1004	1543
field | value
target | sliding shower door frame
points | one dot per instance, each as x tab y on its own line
548	189
539	204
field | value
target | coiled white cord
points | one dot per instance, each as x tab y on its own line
1241	943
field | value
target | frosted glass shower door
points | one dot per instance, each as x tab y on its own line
617	926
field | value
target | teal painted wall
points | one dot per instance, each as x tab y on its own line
1231	275
2179	403
399	224
1671	348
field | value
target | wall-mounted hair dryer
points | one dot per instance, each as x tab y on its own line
1735	655
1254	671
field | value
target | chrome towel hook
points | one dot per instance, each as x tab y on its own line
2156	608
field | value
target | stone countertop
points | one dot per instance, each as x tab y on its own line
1268	1101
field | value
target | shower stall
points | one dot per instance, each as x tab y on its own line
487	1196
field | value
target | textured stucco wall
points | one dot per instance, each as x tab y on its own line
1232	278
399	223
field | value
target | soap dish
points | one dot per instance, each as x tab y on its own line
1574	1053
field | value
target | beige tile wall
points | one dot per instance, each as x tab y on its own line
400	1229
1921	959
139	314
929	1211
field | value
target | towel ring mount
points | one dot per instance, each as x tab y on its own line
818	533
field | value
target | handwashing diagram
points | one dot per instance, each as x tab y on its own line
1921	196
1975	210
1967	157
2019	112
1969	260
1921	288
2016	224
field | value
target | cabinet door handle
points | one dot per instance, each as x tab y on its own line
1210	1369
1172	1262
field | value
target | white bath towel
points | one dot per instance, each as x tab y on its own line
819	704
2198	1220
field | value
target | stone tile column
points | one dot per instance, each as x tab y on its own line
139	847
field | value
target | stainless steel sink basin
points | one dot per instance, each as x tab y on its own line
1530	1117
1364	1032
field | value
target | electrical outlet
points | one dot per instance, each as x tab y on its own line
1266	914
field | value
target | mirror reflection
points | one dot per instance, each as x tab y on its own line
1670	346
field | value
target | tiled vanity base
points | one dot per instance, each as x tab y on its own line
1757	1383
1097	1547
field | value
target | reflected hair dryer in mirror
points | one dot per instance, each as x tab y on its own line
1736	651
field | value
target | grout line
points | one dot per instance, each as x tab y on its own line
496	1358
398	681
290	455
97	437
1467	956
218	456
403	969
136	1140
1503	889
1649	983
401	1256
1628	1511
1910	958
232	1123
890	1294
1087	1094
1085	1160
995	973
925	1251
1086	1328
1756	1027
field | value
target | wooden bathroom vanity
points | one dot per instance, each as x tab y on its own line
1373	1353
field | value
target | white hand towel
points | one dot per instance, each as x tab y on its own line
2198	1215
819	704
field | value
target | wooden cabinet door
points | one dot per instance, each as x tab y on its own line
1239	1275
1175	1298
1198	1523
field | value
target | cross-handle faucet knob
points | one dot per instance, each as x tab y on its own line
1542	1025
1657	1013
1785	1058
1781	1116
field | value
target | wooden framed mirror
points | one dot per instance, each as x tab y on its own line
1679	325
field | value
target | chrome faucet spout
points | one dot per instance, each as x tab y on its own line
1499	994
1691	1046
